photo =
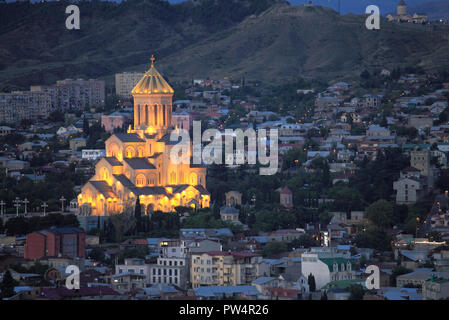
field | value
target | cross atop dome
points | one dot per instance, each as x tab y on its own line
152	83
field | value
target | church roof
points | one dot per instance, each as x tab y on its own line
113	161
146	191
123	180
228	210
128	137
166	139
202	190
155	155
402	3
139	163
286	190
103	188
179	188
152	83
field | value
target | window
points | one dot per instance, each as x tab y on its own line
140	180
193	179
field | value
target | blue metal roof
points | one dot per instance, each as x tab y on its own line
262	280
214	291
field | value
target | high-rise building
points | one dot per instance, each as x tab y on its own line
222	268
125	82
138	163
24	105
420	159
72	94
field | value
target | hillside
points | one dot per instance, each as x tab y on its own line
435	10
216	39
287	42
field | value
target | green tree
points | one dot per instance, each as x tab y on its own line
380	213
356	292
434	236
7	285
273	248
397	271
85	126
122	223
311	282
324	296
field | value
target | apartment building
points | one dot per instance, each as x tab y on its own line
70	94
134	266
220	268
125	82
55	242
24	105
170	271
435	289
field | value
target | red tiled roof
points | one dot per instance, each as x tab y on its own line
62	293
218	253
245	254
284	293
286	190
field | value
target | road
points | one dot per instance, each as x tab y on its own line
426	225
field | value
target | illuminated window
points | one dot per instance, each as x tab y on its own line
173	178
129	152
140	152
193	179
140	180
104	174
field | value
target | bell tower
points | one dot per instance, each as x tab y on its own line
152	102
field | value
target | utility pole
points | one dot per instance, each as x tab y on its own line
17	205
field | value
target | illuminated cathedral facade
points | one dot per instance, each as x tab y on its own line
138	164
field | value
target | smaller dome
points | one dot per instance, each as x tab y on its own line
152	83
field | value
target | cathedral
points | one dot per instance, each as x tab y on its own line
403	16
137	163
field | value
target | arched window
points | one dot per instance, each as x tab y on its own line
104	173
335	267
172	178
152	180
193	179
140	152
348	266
140	180
129	152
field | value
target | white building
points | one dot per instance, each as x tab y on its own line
327	269
93	154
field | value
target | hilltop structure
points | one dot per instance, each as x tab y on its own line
402	15
137	163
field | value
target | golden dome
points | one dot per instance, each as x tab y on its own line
152	83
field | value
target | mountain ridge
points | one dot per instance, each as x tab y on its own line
268	41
